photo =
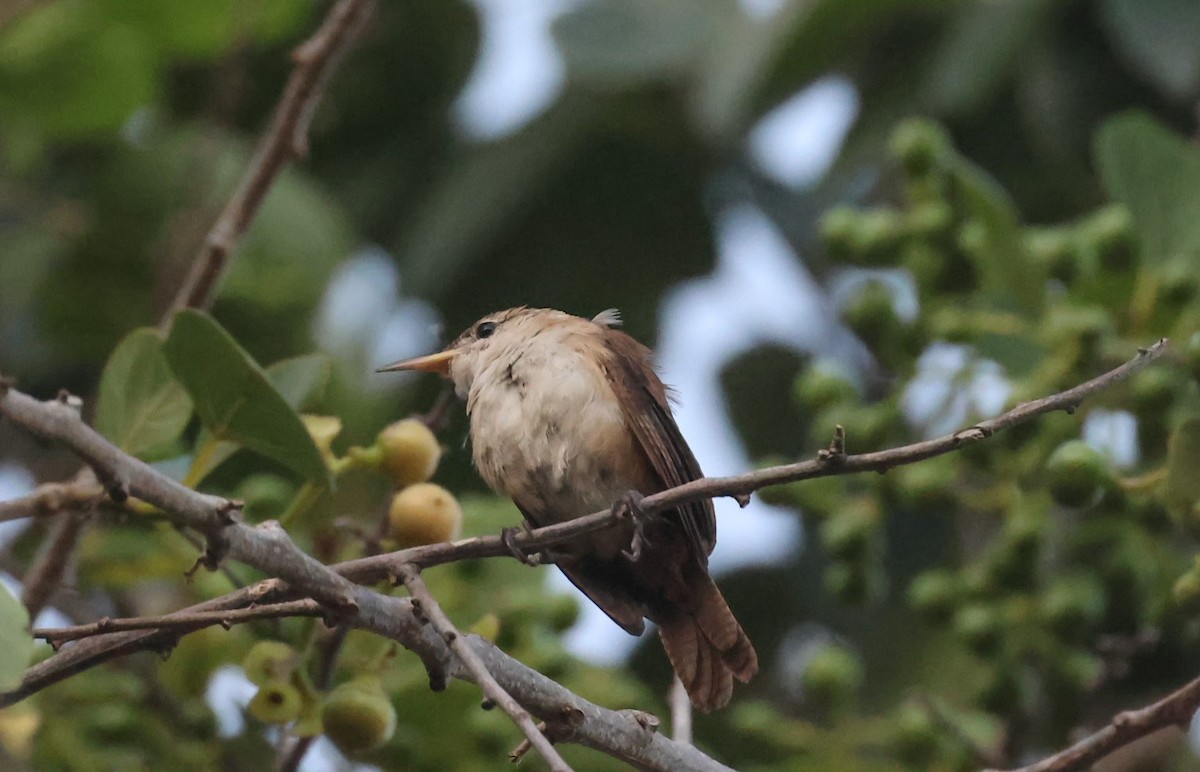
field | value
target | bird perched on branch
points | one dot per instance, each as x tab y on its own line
568	417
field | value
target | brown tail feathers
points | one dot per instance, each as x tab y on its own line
707	647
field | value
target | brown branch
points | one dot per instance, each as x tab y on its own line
46	574
50	499
181	621
427	606
285	140
1176	709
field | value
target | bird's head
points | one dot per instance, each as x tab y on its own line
496	339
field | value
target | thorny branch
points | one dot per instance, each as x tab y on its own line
181	621
628	735
285	140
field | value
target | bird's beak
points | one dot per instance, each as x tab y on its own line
433	363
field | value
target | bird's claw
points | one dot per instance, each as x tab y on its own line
630	506
508	536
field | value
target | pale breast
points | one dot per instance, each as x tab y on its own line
547	430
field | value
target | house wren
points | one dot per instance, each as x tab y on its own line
568	417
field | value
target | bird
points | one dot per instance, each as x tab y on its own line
568	417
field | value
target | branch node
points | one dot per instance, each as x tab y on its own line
836	452
488	705
518	753
6	383
647	721
228	511
743	499
70	400
437	676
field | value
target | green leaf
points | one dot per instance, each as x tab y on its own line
15	640
141	406
235	398
301	382
1156	174
1183	459
1007	272
71	72
1158	38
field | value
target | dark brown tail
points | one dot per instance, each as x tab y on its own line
706	646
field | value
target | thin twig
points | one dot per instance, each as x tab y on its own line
285	140
681	712
1174	710
487	682
181	621
50	499
46	574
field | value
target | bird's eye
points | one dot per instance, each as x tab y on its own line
485	329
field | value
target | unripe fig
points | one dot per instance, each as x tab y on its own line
269	662
424	513
846	534
1074	603
358	717
1075	474
1186	591
979	626
930	219
822	384
832	676
934	595
848	582
410	452
836	230
918	145
916	735
277	702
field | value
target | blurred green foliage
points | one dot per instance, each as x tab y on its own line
972	608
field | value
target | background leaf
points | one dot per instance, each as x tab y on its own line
1183	459
15	640
1158	37
1156	174
234	397
141	406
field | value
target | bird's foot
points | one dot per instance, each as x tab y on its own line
630	506
508	536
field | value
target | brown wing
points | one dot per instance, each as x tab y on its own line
648	414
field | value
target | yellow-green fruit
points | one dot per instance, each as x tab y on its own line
831	676
358	717
269	661
1075	474
410	452
424	514
277	702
